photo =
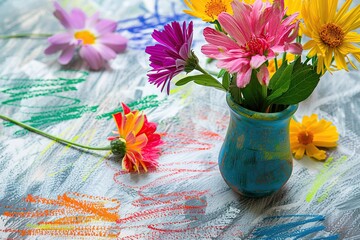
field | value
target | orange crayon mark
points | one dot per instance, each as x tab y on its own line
75	215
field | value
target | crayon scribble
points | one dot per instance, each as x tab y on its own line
322	178
64	108
70	215
141	27
144	103
188	141
180	211
292	227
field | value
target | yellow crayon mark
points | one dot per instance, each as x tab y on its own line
67	148
97	165
323	176
47	148
50	226
62	170
327	191
184	95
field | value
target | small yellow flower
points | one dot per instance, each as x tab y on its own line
310	134
331	32
208	10
272	68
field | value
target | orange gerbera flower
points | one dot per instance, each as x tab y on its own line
311	133
141	141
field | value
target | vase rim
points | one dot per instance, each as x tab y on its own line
240	110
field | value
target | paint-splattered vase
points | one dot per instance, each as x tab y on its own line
255	159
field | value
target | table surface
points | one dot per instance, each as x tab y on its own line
48	190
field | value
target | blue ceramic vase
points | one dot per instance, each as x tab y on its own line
255	159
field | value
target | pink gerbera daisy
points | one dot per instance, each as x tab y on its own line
139	138
96	38
256	33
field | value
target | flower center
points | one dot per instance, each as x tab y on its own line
85	36
305	137
214	7
257	46
332	35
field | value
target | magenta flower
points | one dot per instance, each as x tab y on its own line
256	34
96	38
172	55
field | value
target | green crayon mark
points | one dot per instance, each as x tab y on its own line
57	116
147	102
27	88
324	175
31	88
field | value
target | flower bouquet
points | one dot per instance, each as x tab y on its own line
258	50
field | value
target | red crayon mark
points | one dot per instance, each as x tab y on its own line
169	208
189	141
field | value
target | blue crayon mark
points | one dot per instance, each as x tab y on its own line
141	27
293	229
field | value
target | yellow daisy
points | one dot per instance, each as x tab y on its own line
208	10
293	6
331	32
310	134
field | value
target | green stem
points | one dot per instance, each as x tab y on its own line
216	22
35	130
276	64
298	39
26	35
200	69
307	60
264	91
212	73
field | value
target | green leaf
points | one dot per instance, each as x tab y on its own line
209	83
226	80
234	90
282	83
252	93
221	73
202	79
188	79
275	78
303	83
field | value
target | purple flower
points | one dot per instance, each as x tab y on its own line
96	38
171	55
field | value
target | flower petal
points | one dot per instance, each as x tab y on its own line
106	52
263	75
114	41
256	61
300	152
92	57
243	78
60	38
53	48
63	17
105	26
313	151
67	55
78	18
